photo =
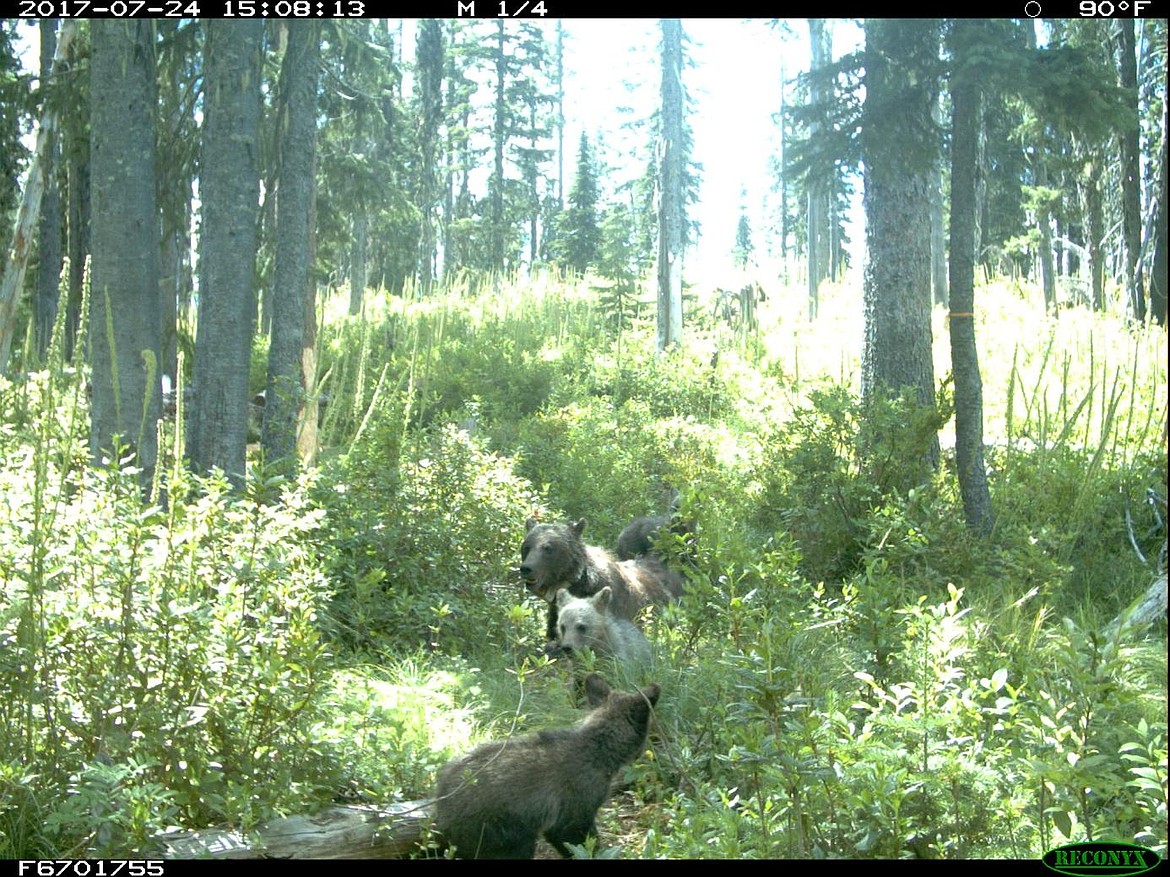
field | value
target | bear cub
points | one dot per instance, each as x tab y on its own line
494	802
586	622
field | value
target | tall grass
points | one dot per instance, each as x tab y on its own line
849	675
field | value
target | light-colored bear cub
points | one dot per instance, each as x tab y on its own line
586	622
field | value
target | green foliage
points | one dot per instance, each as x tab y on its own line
423	538
14	99
577	237
832	465
848	675
161	663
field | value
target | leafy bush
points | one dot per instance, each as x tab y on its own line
824	471
423	538
161	662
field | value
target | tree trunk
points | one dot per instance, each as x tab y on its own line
1094	233
429	55
560	99
1131	202
290	283
358	255
1158	280
499	141
392	832
310	411
49	235
123	321
77	168
938	250
30	204
230	191
670	189
965	99
817	187
898	147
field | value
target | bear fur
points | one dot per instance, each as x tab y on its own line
586	622
554	556
638	538
494	802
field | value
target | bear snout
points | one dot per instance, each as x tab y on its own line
554	650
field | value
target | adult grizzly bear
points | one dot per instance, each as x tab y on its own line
586	622
554	556
494	802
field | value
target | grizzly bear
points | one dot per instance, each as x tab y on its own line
494	802
586	622
639	537
554	556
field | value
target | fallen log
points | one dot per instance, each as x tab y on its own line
343	832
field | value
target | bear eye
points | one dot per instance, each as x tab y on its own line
581	628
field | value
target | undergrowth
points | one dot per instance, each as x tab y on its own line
849	674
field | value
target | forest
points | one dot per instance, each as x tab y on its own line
309	327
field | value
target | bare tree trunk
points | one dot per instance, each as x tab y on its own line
123	336
670	189
1131	180
429	62
898	148
77	147
284	394
965	100
30	206
1158	280
817	187
311	408
230	190
938	250
1094	233
49	235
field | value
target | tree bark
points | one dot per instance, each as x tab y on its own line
76	143
671	216
230	191
49	235
429	55
1160	260
30	205
123	321
899	148
391	832
1131	201
284	394
965	99
817	187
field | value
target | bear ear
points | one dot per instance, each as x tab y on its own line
579	527
563	597
596	690
651	693
601	598
529	524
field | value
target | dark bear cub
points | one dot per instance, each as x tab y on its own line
494	802
638	538
554	556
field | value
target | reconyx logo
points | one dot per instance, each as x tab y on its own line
1113	858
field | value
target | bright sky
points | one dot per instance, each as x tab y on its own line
734	86
733	83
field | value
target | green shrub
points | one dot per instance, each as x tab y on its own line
822	473
162	660
423	538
